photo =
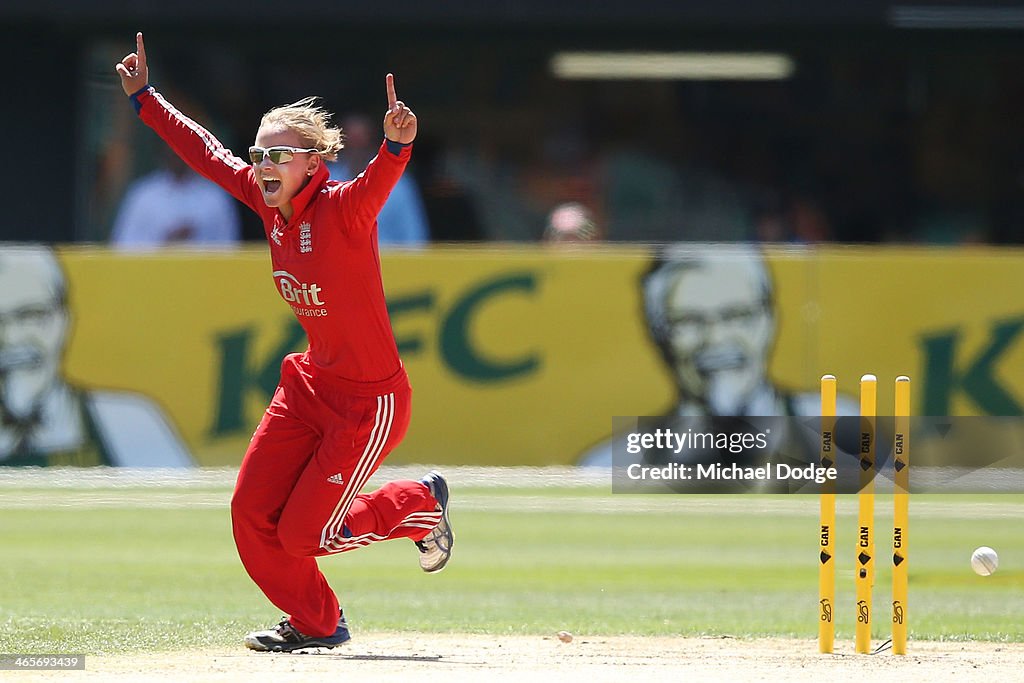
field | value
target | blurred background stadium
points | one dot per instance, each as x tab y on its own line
801	130
879	121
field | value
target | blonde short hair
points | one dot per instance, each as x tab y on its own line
312	122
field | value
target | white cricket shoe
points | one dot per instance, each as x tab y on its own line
436	547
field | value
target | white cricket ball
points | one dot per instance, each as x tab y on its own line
984	561
565	636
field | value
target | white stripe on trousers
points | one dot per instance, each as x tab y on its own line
364	467
419	520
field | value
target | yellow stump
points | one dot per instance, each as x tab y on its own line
901	514
826	550
865	560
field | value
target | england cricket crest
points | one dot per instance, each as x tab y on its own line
305	238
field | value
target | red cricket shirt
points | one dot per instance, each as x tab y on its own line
326	263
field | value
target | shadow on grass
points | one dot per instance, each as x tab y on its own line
379	658
394	658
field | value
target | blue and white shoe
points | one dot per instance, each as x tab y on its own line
436	547
284	638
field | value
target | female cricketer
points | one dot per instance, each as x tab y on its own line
343	404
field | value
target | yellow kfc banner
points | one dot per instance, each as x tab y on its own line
508	349
947	317
521	356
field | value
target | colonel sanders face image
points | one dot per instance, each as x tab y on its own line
709	312
33	329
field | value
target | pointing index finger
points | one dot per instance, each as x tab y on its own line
140	47
392	98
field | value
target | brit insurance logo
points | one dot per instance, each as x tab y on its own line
305	299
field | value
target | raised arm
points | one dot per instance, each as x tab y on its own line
196	146
368	192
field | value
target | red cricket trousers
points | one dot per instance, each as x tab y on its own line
298	491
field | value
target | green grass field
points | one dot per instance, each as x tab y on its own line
103	569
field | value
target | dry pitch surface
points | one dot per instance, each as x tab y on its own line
472	658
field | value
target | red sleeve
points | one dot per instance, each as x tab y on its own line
198	148
366	194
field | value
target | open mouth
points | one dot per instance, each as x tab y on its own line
19	357
271	185
717	360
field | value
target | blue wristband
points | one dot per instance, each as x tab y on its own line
134	97
396	147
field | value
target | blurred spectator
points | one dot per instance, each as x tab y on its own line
798	218
451	213
45	420
810	222
771	224
949	224
175	205
653	199
403	220
571	222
